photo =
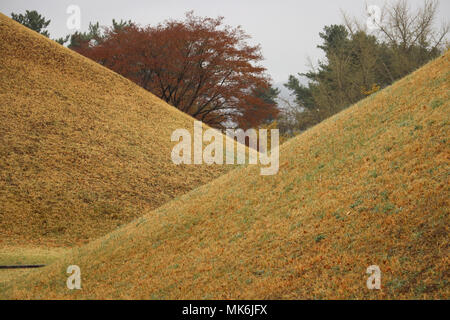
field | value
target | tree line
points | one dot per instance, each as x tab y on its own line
359	62
210	71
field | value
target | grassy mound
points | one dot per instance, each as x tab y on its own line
368	186
82	149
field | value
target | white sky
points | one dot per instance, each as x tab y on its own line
288	30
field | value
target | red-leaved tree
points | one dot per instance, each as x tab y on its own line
199	65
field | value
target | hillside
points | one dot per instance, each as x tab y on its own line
82	149
368	186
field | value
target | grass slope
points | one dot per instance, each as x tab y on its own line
368	186
82	149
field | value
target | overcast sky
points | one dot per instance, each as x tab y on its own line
288	30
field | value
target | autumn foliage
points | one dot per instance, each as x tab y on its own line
198	65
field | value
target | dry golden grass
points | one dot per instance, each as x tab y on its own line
82	149
368	186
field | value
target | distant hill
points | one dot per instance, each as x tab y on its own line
369	186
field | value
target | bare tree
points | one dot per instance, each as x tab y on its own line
401	26
406	28
413	35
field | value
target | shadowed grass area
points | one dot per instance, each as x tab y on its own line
368	186
25	256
